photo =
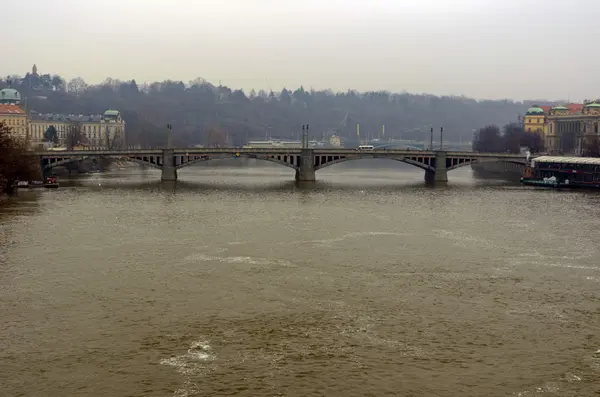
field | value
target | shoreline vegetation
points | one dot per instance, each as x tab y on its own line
13	165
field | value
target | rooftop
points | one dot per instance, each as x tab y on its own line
82	118
535	110
10	94
10	109
567	160
111	112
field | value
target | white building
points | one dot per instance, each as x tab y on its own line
106	131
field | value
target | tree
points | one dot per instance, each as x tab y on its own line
513	134
58	83
74	135
113	138
488	139
51	135
592	147
534	141
77	86
216	137
285	97
14	164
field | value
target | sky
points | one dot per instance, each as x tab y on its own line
517	49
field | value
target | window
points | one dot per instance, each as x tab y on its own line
595	128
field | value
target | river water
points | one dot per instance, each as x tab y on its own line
235	282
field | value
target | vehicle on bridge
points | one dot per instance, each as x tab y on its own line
563	172
365	147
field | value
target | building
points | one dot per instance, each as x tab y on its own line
565	129
335	141
10	96
106	131
535	119
15	118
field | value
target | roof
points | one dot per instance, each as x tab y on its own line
593	105
535	110
111	113
567	160
82	118
10	94
10	109
546	109
560	107
575	107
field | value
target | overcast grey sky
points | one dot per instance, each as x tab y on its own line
482	48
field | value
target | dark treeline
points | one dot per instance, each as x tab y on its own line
196	108
510	139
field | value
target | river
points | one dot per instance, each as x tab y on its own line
236	282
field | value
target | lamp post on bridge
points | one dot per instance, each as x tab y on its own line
441	138
169	136
431	140
305	136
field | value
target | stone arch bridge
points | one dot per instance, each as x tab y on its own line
305	162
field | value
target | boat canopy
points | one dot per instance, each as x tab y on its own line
567	160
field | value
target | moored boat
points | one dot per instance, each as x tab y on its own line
51	182
563	172
21	184
36	184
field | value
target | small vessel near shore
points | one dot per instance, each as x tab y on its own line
51	182
563	172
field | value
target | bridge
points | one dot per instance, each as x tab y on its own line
305	162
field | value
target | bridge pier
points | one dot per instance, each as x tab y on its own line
169	172
306	172
440	174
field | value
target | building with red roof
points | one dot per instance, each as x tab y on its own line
566	129
14	117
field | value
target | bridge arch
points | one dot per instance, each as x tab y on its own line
69	160
290	164
485	160
415	163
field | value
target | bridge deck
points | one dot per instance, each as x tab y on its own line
272	151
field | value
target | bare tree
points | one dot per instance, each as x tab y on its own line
488	139
216	137
113	138
74	135
77	86
14	164
592	147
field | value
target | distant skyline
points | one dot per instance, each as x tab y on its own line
492	49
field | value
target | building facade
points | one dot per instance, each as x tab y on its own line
15	118
565	129
98	131
106	131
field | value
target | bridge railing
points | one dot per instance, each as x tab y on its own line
280	151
